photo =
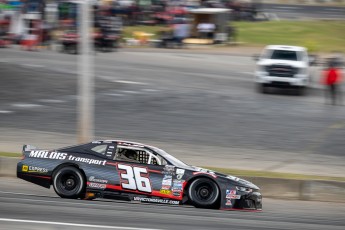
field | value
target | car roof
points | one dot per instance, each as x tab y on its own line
161	152
286	47
131	144
121	142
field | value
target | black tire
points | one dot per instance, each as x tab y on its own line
69	182
204	193
75	49
72	49
261	88
301	91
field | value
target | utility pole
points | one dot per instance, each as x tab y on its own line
86	78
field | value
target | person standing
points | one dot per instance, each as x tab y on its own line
206	30
332	80
181	31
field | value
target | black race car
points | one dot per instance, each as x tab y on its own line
133	171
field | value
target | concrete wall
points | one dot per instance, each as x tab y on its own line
8	166
317	190
270	187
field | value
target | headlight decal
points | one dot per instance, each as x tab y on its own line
243	189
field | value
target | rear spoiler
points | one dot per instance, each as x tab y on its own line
28	148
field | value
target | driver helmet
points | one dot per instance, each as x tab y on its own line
131	155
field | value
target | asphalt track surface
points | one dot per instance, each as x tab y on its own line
201	108
27	206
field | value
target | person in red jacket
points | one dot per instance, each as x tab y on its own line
332	80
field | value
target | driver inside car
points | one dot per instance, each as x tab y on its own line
129	155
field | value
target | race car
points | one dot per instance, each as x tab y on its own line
132	171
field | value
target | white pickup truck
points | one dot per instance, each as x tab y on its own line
283	66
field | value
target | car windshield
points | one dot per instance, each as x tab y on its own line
284	55
168	157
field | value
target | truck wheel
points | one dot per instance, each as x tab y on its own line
203	193
68	182
301	91
261	88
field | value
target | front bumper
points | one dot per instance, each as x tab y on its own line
245	201
298	80
251	201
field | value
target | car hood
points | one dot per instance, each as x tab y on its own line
233	179
297	64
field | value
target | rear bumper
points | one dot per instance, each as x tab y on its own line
245	202
36	178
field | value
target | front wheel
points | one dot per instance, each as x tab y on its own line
261	88
203	193
68	182
301	91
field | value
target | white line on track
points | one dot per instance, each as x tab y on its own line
130	82
130	92
73	224
24	105
111	79
114	94
33	65
6	111
151	90
51	101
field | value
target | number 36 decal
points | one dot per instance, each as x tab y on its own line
134	178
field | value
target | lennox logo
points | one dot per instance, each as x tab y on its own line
48	155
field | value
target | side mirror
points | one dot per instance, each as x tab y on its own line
256	57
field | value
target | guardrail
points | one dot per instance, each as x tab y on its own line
317	190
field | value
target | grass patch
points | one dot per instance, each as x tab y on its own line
6	154
317	36
252	173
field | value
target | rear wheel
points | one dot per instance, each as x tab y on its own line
69	182
203	193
